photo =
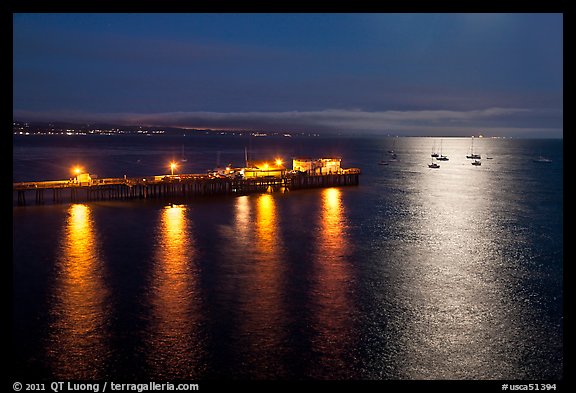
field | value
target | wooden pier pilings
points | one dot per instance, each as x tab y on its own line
330	180
184	187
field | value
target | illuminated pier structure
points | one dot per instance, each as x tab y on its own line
309	173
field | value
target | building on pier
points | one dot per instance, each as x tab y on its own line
83	179
265	169
317	166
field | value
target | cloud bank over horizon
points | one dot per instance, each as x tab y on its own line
491	121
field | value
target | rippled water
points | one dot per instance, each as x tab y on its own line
418	273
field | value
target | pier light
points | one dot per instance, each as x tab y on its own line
278	162
77	170
266	166
173	166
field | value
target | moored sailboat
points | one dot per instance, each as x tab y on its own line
433	165
434	152
542	159
473	155
441	157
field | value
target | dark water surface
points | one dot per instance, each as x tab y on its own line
417	273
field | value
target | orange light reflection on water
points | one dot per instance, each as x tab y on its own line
266	288
77	346
175	350
332	276
261	315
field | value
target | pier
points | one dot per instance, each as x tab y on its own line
183	186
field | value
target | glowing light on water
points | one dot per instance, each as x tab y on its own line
77	346
175	351
331	277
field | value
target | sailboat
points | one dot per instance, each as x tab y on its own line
391	151
434	153
542	159
476	163
182	158
433	165
473	155
382	160
441	157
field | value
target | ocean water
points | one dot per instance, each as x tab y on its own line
453	273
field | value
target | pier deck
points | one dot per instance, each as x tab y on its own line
182	186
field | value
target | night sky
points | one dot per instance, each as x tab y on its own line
401	74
